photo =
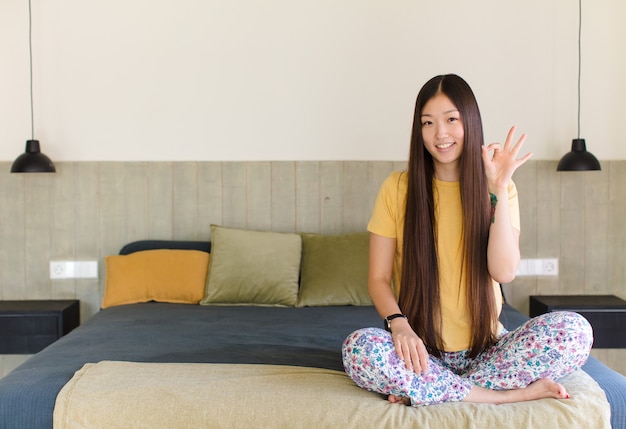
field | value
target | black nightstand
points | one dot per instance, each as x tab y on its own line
606	313
27	327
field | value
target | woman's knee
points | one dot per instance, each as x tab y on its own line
364	356
569	326
581	328
366	335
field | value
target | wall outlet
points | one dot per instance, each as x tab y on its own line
539	267
58	270
550	267
73	269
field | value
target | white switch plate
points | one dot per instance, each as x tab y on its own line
73	269
539	267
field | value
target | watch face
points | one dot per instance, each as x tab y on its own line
388	319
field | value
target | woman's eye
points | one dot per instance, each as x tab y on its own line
453	119
425	123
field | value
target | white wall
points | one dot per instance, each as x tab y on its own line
301	80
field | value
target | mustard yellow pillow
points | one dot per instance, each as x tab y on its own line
164	275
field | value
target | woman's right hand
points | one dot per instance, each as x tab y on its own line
409	347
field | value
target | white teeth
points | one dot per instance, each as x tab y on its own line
445	145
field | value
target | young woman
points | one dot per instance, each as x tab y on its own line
443	235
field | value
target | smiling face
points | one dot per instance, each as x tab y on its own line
443	135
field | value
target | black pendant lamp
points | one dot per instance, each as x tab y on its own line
578	159
32	160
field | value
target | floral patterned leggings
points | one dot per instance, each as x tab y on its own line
549	346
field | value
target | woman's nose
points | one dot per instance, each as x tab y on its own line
441	131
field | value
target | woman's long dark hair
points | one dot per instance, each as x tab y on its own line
419	292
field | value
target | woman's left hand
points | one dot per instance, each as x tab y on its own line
500	166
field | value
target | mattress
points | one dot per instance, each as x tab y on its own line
179	333
109	395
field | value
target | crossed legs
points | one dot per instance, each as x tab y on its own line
522	366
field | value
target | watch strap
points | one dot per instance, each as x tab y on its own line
389	318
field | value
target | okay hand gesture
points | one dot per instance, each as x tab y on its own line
500	166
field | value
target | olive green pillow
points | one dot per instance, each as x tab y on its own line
334	270
253	268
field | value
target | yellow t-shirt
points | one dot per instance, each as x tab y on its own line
388	221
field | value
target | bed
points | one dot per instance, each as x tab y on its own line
169	364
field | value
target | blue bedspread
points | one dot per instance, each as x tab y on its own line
156	332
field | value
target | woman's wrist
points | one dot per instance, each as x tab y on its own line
397	323
498	190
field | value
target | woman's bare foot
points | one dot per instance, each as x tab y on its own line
399	400
545	388
540	389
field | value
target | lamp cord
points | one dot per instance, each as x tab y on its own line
30	46
580	19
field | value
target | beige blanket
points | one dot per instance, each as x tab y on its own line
168	395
